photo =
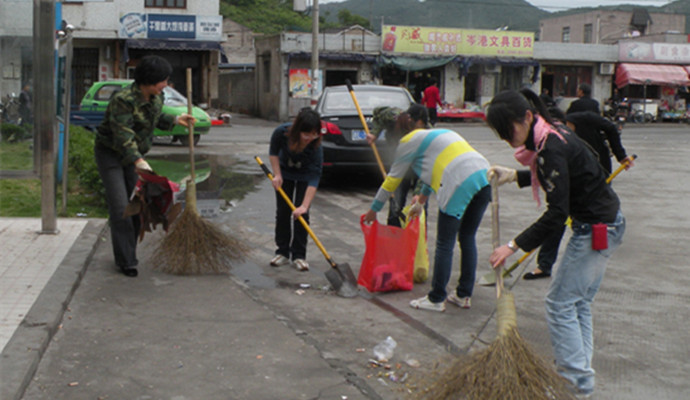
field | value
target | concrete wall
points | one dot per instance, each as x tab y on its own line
16	32
268	78
236	92
607	26
352	41
453	88
239	43
102	19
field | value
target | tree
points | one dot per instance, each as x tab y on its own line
346	18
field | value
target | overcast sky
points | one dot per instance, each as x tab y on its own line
560	5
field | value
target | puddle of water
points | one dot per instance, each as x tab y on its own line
218	185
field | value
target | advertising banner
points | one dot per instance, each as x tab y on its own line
675	53
170	26
449	41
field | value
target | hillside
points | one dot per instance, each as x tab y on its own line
478	14
274	16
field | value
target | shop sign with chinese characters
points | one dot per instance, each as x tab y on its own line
677	53
448	41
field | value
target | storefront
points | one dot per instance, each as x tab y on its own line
470	65
654	77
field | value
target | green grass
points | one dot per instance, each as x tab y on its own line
16	156
22	197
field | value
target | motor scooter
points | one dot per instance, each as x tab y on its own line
622	112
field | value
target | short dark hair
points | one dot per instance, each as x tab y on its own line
152	70
586	89
419	113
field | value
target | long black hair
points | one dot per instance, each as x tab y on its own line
510	106
307	120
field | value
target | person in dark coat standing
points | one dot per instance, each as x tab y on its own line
26	105
601	134
585	101
122	140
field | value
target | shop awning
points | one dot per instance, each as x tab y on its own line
182	45
651	74
409	63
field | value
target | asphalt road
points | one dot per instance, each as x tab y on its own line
640	312
277	333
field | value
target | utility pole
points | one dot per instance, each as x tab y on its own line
44	108
314	49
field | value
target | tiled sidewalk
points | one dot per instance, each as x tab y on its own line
27	261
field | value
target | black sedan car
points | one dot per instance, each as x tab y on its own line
344	141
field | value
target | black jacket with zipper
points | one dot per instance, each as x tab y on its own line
575	185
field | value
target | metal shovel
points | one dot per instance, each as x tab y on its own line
340	276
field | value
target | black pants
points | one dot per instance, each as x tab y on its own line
549	251
290	235
433	116
119	181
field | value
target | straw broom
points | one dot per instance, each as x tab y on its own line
508	369
194	245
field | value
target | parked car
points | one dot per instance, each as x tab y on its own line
344	140
96	99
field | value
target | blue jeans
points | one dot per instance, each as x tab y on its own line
569	299
465	229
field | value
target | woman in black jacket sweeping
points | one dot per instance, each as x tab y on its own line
575	185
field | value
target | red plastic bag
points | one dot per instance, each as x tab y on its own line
388	262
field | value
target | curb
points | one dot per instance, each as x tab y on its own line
21	356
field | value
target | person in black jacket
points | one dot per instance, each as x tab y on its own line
600	134
575	185
585	101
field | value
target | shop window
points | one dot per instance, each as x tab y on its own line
565	34
567	79
166	3
587	34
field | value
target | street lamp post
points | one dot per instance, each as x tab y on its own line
314	49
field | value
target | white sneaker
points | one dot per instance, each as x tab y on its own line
424	303
300	265
462	302
279	260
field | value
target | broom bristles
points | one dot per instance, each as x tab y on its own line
196	246
508	369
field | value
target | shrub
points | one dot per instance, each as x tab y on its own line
81	158
13	133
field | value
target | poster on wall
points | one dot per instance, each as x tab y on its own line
300	82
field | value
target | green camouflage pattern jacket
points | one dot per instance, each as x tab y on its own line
129	122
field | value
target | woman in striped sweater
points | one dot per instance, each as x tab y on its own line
448	166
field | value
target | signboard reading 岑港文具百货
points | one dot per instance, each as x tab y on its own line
450	41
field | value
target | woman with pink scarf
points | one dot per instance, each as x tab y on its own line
575	185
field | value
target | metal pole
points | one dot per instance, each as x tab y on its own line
44	113
314	48
66	110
